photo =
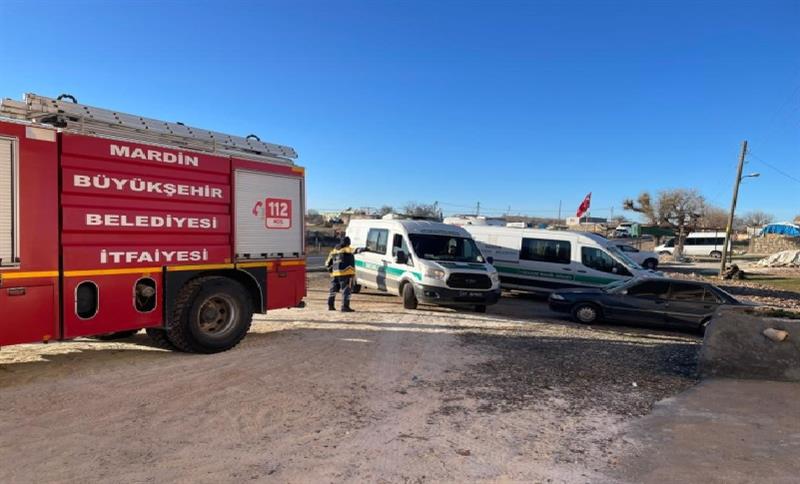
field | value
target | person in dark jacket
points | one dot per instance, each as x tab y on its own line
341	264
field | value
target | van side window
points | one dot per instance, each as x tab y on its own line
650	289
599	260
543	250
399	243
377	239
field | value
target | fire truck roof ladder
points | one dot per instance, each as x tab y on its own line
79	118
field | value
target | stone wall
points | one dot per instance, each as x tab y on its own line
772	243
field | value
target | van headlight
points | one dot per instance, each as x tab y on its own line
435	273
495	277
557	297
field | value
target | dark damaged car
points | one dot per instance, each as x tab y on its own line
644	301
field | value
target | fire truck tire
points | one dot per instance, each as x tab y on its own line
159	338
212	314
116	336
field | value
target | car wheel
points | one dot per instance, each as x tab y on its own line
586	313
409	298
665	252
650	264
716	254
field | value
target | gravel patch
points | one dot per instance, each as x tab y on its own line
620	374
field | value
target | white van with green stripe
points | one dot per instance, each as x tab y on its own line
423	261
545	260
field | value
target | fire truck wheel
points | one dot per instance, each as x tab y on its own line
159	338
212	314
117	335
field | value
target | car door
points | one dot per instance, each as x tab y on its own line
690	303
642	303
632	252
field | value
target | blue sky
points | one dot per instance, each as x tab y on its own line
513	104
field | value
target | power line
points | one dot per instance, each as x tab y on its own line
761	160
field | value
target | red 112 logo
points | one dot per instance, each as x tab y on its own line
277	212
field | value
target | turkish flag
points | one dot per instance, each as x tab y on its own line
584	207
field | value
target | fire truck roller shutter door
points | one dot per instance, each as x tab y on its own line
269	215
7	202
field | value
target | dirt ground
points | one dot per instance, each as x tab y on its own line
381	395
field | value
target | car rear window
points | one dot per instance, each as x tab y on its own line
685	291
650	289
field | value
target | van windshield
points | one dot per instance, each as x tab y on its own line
445	247
624	258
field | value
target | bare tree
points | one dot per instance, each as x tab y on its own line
679	209
414	209
314	218
757	218
385	210
713	218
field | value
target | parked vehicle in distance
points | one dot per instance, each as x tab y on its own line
644	301
702	244
622	231
422	261
645	258
545	260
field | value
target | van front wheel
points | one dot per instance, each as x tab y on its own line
409	298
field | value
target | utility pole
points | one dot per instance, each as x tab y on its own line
729	228
478	210
559	212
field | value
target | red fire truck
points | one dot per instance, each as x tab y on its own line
110	223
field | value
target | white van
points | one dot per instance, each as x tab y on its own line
422	261
699	244
545	260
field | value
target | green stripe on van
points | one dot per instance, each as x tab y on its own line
554	275
389	270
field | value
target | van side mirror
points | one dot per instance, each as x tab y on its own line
490	260
401	257
359	250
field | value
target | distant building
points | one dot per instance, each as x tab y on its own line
586	220
461	220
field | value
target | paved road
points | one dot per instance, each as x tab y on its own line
731	431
